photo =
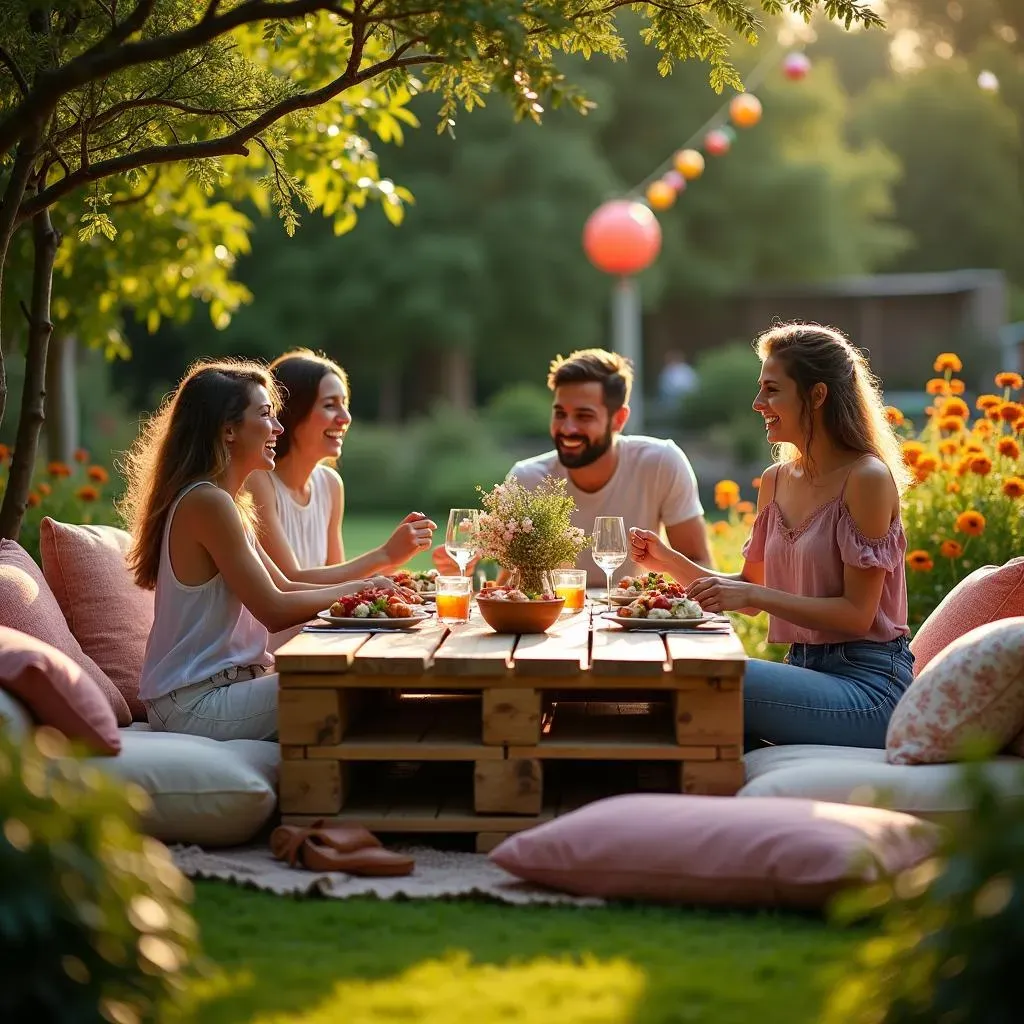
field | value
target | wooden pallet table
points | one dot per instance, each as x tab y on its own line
465	730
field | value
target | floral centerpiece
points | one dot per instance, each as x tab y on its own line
529	532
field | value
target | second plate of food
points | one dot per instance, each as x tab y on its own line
635	623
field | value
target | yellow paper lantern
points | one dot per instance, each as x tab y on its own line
689	163
660	195
745	110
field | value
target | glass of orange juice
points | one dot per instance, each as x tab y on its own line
453	596
572	585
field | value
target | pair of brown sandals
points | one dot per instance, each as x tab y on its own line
351	849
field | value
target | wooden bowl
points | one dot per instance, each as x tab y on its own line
520	616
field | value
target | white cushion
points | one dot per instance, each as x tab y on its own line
209	792
15	720
857	775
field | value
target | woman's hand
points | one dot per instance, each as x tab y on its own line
648	550
414	534
447	566
715	594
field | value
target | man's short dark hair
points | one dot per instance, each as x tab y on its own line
613	372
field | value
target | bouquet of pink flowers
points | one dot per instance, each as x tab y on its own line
529	530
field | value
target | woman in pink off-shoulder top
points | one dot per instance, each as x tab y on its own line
825	557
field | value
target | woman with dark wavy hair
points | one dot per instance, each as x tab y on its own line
193	542
825	558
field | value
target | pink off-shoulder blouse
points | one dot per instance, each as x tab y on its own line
809	559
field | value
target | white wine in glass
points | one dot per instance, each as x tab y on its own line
609	548
460	537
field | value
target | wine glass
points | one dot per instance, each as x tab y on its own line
460	537
609	549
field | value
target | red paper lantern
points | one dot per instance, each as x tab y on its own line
717	142
796	66
622	237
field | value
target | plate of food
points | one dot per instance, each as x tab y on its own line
373	608
422	582
629	588
655	611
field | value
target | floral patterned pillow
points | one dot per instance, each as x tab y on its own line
974	687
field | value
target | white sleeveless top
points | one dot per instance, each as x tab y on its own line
197	631
306	526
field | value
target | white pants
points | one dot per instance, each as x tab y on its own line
236	704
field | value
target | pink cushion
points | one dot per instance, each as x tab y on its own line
109	615
989	593
28	605
57	692
975	687
763	851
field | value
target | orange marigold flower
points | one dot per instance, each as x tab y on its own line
986	402
87	493
81	455
949	447
1013	487
98	473
34	500
721	527
983	428
937	386
951	549
956	387
981	464
1011	411
5	453
974	448
1008	446
970	522
993	414
920	561
744	507
926	463
948	361
727	493
951	424
756	483
1009	379
952	487
912	451
956	407
58	469
44	489
893	415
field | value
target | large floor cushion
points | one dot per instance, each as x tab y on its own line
209	792
856	775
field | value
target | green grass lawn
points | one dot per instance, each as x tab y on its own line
360	961
363	532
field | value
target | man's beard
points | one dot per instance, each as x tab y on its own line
588	454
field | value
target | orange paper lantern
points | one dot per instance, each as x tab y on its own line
745	110
689	163
661	195
622	237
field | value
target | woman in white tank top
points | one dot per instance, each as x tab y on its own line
217	593
301	502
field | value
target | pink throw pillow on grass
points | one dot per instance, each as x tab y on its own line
761	851
57	692
27	604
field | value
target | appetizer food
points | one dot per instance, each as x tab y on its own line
372	603
419	581
658	606
512	594
649	583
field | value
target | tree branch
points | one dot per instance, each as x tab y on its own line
8	61
226	145
112	54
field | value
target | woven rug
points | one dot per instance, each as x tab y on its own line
439	874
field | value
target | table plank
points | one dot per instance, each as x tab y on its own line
564	650
618	652
474	650
399	653
701	655
319	652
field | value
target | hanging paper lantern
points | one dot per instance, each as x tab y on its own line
675	180
796	66
689	163
745	110
661	195
988	82
717	142
622	237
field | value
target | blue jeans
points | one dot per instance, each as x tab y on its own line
837	694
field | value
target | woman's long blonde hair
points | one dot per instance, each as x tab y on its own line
181	443
853	413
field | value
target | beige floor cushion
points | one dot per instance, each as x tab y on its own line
856	775
209	792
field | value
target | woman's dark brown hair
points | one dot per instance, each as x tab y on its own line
184	442
298	374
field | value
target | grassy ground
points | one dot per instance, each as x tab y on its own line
363	532
360	961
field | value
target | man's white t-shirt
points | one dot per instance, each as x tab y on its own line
653	486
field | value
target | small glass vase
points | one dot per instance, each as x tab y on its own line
535	583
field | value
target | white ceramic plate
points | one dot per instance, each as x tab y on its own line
662	624
353	623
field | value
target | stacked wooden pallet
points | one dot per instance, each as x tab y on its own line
471	731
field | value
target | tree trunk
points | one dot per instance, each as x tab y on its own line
389	400
454	377
62	416
33	397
